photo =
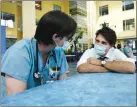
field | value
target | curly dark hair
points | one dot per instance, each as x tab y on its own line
108	34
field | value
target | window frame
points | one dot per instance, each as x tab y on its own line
125	28
13	19
100	10
124	6
54	7
39	3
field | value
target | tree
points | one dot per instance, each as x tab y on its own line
77	36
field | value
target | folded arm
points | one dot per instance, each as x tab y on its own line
121	66
86	67
128	55
94	65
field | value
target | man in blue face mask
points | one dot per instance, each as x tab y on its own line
104	57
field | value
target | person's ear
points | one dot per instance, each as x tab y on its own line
54	37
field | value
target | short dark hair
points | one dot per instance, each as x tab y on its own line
108	34
54	22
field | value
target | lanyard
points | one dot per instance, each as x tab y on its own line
36	75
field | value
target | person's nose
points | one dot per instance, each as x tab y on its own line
100	43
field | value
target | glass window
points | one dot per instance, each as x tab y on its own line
127	5
128	24
10	42
56	7
7	19
103	10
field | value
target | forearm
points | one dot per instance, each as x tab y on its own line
62	76
120	66
128	55
86	67
14	86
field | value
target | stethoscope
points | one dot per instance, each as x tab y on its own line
36	74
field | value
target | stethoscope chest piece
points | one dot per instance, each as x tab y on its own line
37	75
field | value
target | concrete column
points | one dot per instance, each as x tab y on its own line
91	16
28	18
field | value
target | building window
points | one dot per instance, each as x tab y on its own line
56	7
38	5
128	24
10	42
127	5
7	19
103	10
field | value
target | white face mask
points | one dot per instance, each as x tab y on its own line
65	45
130	44
100	50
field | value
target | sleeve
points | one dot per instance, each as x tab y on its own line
126	50
64	65
16	64
83	58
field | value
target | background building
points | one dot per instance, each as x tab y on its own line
21	17
78	11
119	15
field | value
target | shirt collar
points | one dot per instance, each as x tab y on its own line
108	55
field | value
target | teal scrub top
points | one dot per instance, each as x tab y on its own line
19	62
128	49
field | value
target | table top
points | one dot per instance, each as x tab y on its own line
85	89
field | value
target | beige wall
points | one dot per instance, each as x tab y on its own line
116	16
49	5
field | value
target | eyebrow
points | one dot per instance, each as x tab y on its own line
101	41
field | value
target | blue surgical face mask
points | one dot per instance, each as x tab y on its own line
100	49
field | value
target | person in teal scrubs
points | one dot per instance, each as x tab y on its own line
128	50
36	61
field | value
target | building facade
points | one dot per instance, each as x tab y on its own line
119	15
19	16
78	11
